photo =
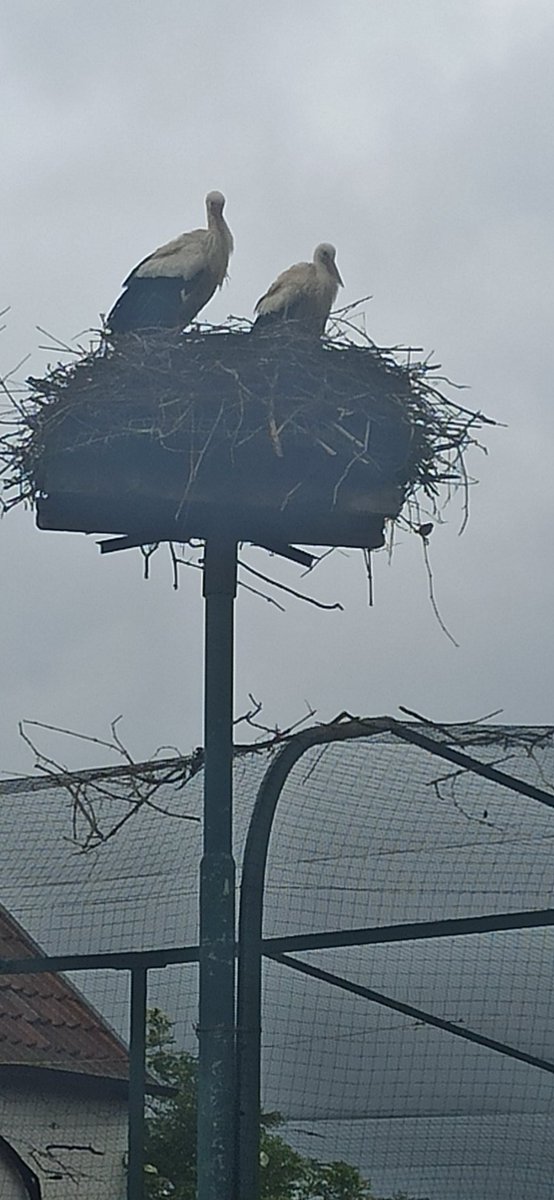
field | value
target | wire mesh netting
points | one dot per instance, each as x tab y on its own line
361	1057
376	834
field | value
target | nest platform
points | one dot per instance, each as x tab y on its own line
263	436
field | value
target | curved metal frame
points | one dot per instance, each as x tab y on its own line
28	1177
250	941
250	947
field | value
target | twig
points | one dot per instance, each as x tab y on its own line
276	733
138	788
369	573
319	559
57	342
434	605
459	724
187	562
291	591
147	552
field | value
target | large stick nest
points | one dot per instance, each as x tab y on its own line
352	416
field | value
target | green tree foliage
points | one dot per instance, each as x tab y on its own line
170	1152
171	1139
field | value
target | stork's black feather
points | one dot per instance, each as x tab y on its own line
149	303
292	316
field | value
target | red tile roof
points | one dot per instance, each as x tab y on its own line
46	1022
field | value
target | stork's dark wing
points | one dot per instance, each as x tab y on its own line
167	288
153	303
295	311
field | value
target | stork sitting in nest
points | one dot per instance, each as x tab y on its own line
304	294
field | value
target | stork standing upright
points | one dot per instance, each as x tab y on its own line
169	287
304	294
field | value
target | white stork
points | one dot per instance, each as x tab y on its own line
168	289
305	293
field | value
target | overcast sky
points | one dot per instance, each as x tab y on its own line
415	136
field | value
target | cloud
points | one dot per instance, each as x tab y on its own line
415	138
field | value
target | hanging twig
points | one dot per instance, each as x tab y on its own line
434	605
369	573
291	591
147	552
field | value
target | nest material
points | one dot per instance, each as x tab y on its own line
218	413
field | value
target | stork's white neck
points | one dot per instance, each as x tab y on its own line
218	226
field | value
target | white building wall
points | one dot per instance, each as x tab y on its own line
74	1143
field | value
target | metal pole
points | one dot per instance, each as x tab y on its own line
216	1144
137	1071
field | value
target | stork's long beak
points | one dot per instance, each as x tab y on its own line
335	271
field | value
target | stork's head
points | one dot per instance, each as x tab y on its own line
325	254
215	203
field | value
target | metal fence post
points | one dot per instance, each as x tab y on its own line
137	1073
216	1143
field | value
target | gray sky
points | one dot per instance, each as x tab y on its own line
416	137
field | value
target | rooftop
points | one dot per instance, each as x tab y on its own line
45	1022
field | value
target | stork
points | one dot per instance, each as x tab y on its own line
305	293
169	287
